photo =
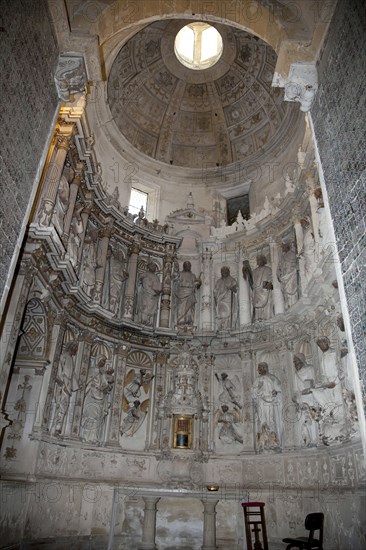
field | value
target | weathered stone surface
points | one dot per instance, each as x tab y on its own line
338	114
29	101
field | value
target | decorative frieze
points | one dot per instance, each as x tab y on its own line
70	75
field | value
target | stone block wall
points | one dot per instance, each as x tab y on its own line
27	63
339	114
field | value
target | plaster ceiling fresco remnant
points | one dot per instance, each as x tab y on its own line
225	114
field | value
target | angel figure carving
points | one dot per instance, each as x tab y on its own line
136	414
136	383
227	419
229	389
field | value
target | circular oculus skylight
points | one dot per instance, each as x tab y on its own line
198	46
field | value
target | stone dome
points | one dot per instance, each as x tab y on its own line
218	116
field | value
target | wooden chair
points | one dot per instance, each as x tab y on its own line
255	523
313	522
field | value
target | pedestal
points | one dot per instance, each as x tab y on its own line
209	525
149	527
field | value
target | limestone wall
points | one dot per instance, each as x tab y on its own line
29	104
337	114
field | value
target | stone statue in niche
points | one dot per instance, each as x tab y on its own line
140	218
309	425
115	197
230	390
351	411
267	399
304	383
287	274
61	205
227	419
135	383
340	323
308	249
135	415
262	290
329	396
348	394
186	285
97	402
88	265
225	297
45	213
76	230
320	398
114	278
185	357
21	408
66	384
150	289
318	194
97	177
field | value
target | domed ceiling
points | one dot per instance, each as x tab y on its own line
195	118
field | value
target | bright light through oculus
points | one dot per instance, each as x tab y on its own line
198	46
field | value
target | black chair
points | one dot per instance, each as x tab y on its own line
313	522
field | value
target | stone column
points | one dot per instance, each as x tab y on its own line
53	176
74	188
42	401
161	358
204	436
313	206
129	300
165	303
278	302
300	245
206	368
209	525
150	430
245	305
85	347
207	322
101	261
84	218
58	334
119	367
149	527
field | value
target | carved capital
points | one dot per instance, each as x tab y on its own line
134	248
165	303
128	305
301	84
70	76
122	349
78	179
87	336
98	291
26	268
63	142
107	231
162	357
61	318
